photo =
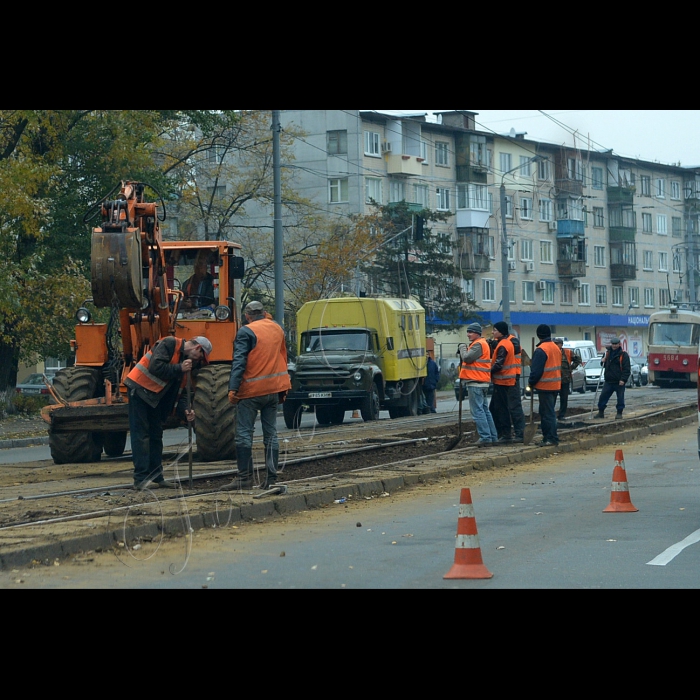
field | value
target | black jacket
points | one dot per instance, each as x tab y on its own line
616	366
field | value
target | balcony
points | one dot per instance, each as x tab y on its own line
405	166
566	187
476	173
475	262
621	234
623	273
571	268
472	218
621	195
569	228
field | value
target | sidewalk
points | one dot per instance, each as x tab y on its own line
20	431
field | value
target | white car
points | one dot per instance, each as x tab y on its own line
593	369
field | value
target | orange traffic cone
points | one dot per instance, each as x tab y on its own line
468	562
620	495
355	414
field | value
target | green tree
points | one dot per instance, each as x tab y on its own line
410	258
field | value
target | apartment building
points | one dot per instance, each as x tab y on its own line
595	242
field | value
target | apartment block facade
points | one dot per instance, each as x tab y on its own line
595	242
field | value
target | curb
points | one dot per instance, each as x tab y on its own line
23	442
293	503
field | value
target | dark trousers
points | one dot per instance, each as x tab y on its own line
548	415
563	398
610	388
430	399
507	411
146	433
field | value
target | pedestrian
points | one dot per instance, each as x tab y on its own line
545	379
475	371
506	403
259	382
430	384
155	388
616	373
569	362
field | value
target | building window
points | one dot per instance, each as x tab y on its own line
648	260
373	190
512	250
526	251
601	295
548	293
646	223
423	196
598	217
676	226
506	162
648	297
645	186
543	170
492	248
677	261
599	256
664	298
373	142
566	294
443	199
584	295
618	296
660	188
675	190
526	208
546	252
528	292
397	191
662	225
217	192
525	166
597	178
509	206
574	169
337	143
511	291
338	191
545	209
663	262
634	297
442	153
473	197
424	151
488	288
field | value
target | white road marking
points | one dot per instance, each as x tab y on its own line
672	552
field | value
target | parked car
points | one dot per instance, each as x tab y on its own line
578	380
636	364
34	385
593	368
644	373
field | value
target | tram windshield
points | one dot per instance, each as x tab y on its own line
682	335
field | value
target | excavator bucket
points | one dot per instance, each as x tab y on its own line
116	269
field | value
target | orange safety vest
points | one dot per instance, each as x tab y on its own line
266	370
479	371
511	369
551	377
141	375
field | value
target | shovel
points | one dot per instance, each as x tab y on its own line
455	441
530	428
189	423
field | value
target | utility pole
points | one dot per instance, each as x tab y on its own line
505	292
279	246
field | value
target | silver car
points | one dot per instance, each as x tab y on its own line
34	385
593	370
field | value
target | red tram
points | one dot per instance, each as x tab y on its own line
674	338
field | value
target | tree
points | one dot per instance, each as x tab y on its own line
410	259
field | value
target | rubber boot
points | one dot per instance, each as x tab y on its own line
272	460
601	414
244	480
619	415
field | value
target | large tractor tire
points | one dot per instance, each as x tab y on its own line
76	384
215	421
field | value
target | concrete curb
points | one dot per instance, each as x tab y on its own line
296	502
23	442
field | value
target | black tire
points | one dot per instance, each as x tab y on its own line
337	415
370	406
292	411
76	384
396	413
115	444
215	420
324	415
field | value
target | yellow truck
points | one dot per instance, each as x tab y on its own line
366	354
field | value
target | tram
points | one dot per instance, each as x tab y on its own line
674	337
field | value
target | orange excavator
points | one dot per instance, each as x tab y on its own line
152	289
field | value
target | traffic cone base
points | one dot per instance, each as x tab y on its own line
468	561
620	501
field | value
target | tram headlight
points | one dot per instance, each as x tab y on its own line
685	363
657	361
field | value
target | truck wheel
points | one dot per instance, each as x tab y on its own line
76	384
324	415
337	415
115	444
396	413
413	402
370	406
215	417
292	412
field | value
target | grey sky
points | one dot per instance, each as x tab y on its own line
663	135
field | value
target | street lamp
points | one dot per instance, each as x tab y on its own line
505	294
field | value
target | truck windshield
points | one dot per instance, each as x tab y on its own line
325	341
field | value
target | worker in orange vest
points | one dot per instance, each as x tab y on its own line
506	404
545	379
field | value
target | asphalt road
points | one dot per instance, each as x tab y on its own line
540	526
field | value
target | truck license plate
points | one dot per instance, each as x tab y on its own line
324	395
